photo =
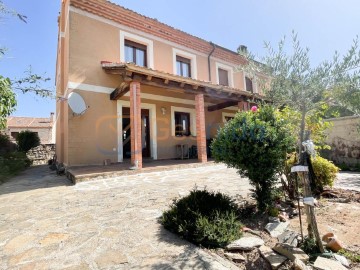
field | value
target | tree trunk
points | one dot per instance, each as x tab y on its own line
302	129
310	212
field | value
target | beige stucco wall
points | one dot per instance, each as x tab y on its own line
344	139
93	41
92	137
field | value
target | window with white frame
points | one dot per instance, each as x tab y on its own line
226	117
182	124
183	121
224	75
136	49
135	53
249	84
184	64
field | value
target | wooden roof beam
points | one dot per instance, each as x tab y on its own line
120	91
223	105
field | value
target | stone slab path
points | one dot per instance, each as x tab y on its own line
348	180
47	223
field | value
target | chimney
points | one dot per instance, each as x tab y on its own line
52	117
242	49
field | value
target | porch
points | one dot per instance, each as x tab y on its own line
79	174
179	111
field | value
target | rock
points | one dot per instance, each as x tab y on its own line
293	213
289	237
301	204
245	243
342	259
291	252
274	220
235	256
246	229
300	265
327	264
275	229
257	233
283	217
275	260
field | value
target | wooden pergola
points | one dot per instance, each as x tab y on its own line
133	76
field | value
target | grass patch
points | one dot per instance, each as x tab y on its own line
12	163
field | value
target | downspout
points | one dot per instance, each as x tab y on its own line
209	66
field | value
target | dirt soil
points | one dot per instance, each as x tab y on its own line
339	214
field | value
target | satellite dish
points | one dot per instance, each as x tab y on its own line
76	103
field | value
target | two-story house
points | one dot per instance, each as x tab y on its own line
150	89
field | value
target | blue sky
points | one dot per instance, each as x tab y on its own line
322	25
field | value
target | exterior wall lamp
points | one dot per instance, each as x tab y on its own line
163	110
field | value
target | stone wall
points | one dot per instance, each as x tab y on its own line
344	139
41	154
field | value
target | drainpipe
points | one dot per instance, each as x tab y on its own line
209	66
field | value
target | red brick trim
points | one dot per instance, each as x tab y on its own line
200	128
151	26
135	125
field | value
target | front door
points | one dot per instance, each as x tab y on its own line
145	133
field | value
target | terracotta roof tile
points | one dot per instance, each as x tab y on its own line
127	17
30	122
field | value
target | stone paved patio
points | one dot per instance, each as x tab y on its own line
348	180
47	223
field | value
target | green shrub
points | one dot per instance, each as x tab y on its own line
26	140
325	171
204	218
350	255
4	140
256	144
13	163
309	246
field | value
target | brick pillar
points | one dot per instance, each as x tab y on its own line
135	125
243	106
200	128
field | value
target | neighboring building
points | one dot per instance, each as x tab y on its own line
150	89
44	127
344	140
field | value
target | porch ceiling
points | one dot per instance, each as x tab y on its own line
129	72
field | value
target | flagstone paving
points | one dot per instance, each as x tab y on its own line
47	223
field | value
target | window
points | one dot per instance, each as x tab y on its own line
182	124
223	77
228	118
224	74
135	53
183	66
184	63
249	84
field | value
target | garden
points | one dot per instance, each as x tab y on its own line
292	219
13	158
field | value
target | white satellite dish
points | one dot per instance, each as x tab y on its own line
76	103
